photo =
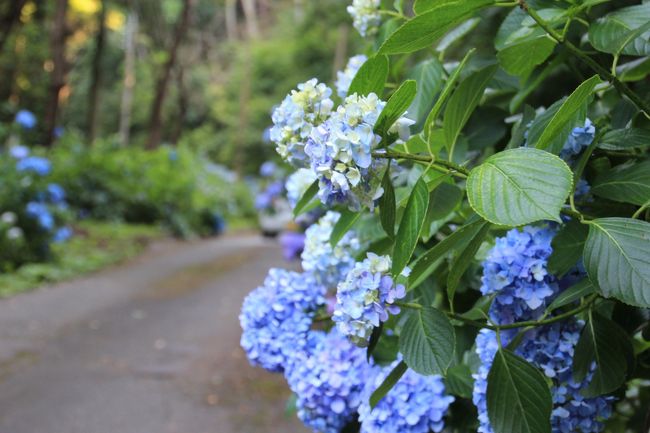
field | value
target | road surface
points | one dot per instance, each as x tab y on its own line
148	347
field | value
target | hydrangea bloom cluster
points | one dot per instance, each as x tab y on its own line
366	297
580	137
329	265
294	119
340	152
297	183
516	271
264	200
328	381
366	16
292	243
26	119
40	166
416	404
277	316
344	78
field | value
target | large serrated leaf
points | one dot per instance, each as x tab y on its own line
425	29
627	184
567	248
410	226
427	341
519	186
371	77
518	397
617	259
522	57
624	31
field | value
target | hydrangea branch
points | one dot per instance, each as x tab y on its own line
451	167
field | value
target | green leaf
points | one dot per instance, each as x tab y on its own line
343	225
519	186
518	397
462	103
541	122
429	75
427	341
444	198
374	339
626	31
395	107
446	91
601	342
617	260
371	77
388	383
459	381
572	294
464	259
567	248
522	57
387	205
410	226
574	103
426	28
457	33
626	183
625	139
306	199
428	261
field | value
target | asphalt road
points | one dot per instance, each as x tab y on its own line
149	347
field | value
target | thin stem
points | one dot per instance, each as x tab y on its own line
595	66
638	213
573	214
453	168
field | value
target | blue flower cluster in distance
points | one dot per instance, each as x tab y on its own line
580	137
294	119
515	270
264	200
365	298
366	16
277	316
344	78
416	404
328	381
340	153
25	119
328	265
36	164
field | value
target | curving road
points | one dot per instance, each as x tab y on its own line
149	347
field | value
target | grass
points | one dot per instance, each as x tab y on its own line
94	246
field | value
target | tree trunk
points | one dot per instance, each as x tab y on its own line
57	77
130	31
299	10
96	75
155	127
250	12
182	105
340	54
8	21
231	20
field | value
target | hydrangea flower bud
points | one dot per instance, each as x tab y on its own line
366	16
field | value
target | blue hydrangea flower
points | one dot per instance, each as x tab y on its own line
328	381
264	199
328	265
268	169
277	316
416	404
40	213
56	193
344	78
582	190
19	152
294	119
515	270
365	298
366	16
62	234
292	243
340	151
580	137
26	119
36	164
297	184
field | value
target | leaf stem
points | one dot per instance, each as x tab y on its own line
595	66
639	211
453	168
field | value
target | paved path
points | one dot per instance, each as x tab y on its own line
150	347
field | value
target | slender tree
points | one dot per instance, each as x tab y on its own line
231	20
250	13
96	74
59	66
155	123
130	31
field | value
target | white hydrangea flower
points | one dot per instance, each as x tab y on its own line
366	16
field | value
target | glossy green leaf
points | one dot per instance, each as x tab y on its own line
463	259
567	245
617	259
427	341
459	381
522	57
429	76
426	28
410	226
306	199
343	225
627	184
462	103
457	33
541	122
572	294
519	186
371	77
395	107
518	397
626	31
388	383
565	114
625	139
387	205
